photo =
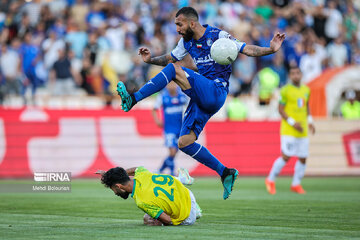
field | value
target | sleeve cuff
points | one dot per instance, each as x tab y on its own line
159	213
172	55
242	47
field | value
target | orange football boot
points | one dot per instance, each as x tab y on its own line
298	189
270	186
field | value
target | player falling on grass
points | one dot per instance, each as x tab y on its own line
163	198
206	88
172	102
295	123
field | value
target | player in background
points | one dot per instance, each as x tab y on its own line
172	101
162	197
206	88
295	123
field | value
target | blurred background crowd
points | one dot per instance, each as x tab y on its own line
84	47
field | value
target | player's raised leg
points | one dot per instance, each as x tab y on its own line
152	86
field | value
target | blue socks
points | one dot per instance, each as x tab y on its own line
156	83
168	163
201	154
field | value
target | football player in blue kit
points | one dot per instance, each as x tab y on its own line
171	101
206	88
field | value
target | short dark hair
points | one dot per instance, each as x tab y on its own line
188	12
114	176
294	67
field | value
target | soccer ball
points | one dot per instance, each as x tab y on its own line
224	51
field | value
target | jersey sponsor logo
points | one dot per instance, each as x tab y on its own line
175	101
206	59
173	110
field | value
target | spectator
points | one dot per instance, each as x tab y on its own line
279	67
85	76
310	64
29	55
51	47
244	72
10	66
77	40
32	9
92	48
337	53
47	17
61	76
264	10
264	40
350	109
95	18
79	12
333	22
116	35
268	81
236	109
351	22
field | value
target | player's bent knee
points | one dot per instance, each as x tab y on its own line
184	141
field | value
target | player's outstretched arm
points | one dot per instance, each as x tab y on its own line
160	60
257	51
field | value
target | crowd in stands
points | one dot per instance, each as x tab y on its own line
84	47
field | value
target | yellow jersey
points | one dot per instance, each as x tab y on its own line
158	193
295	100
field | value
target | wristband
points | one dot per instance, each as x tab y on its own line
310	119
290	121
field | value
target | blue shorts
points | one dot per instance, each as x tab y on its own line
171	140
206	98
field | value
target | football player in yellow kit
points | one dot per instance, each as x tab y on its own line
295	124
161	196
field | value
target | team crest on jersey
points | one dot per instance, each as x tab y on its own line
175	101
209	42
300	102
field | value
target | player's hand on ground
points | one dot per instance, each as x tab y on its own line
277	41
312	128
145	54
100	172
298	127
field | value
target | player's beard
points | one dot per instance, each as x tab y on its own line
123	195
188	35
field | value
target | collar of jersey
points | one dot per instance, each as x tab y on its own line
133	191
203	36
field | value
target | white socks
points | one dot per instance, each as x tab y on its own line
276	168
299	172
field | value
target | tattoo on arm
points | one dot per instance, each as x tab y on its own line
162	60
256	51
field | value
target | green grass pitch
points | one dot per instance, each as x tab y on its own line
330	210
